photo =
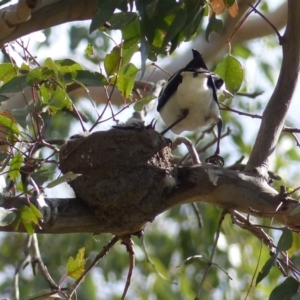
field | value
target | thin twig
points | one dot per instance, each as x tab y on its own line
37	258
152	263
203	149
198	214
249	95
95	261
21	266
254	116
129	247
210	261
279	36
255	272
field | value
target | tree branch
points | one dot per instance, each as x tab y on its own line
47	15
275	112
224	188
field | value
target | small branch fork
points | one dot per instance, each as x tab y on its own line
244	222
95	261
279	36
36	260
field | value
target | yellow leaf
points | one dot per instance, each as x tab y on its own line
75	266
233	10
217	6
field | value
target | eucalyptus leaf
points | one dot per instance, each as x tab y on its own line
286	240
231	71
87	78
15	85
214	25
139	105
286	290
121	19
105	9
64	178
175	27
266	269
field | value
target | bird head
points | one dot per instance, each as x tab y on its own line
220	86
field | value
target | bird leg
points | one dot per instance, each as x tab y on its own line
184	113
216	159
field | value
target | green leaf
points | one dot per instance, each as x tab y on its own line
68	66
296	244
15	85
38	74
229	3
125	79
6	216
266	269
7	72
195	11
20	114
15	165
121	19
75	266
64	178
41	176
139	105
131	34
59	100
87	78
214	25
286	240
231	71
52	65
9	124
29	215
177	24
89	50
105	10
285	290
117	58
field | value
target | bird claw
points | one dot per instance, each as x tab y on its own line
215	159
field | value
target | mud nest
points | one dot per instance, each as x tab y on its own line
124	175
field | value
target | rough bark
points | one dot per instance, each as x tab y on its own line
276	110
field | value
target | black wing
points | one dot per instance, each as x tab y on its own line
173	82
169	89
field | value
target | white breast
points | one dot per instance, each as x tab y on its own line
194	95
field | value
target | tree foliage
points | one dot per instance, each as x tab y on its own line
243	246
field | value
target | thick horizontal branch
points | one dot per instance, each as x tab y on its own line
224	188
67	215
58	12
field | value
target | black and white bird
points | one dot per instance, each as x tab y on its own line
189	100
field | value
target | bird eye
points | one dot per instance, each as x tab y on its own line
218	82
